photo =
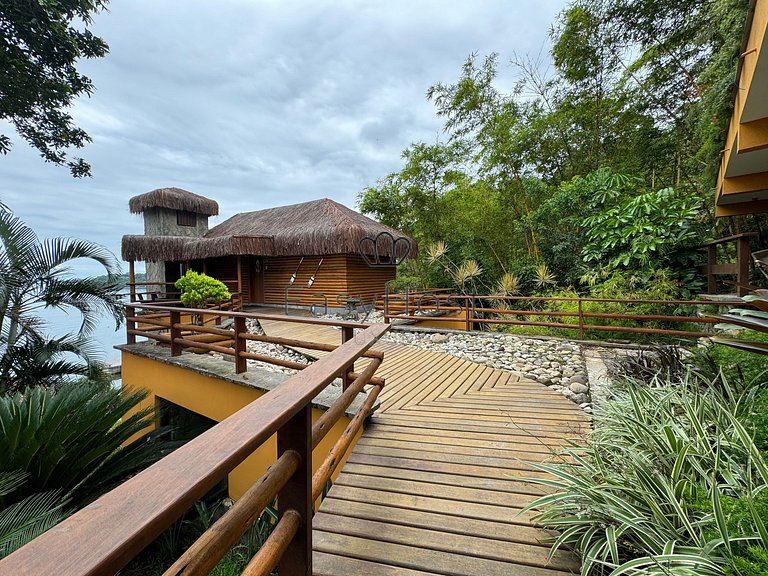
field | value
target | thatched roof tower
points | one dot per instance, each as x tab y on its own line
173	199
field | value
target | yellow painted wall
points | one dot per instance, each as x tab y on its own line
756	132
216	399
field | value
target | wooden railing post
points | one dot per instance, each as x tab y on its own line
175	318
132	280
347	333
407	301
711	263
296	494
130	325
241	363
581	321
468	323
743	257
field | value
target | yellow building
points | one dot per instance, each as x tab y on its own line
742	185
208	386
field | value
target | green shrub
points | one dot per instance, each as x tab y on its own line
738	366
200	289
670	482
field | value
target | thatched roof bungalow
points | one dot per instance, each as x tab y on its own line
303	252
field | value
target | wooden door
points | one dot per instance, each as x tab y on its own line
256	274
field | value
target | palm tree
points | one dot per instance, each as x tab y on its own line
35	275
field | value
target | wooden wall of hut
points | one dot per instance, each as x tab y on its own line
365	282
336	275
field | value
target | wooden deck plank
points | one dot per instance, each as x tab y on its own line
334	565
436	483
417	488
447	563
435	539
483	482
437	521
531	452
403	461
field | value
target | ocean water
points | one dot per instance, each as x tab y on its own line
104	338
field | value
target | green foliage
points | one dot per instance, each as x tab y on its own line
80	456
741	367
36	275
670	482
618	285
200	289
641	230
607	163
159	555
23	521
41	44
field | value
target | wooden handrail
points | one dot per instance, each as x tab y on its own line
727	239
255	315
104	536
203	555
473	307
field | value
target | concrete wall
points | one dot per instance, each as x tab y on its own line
216	398
155	272
162	222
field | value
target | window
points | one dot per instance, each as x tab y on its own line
185	218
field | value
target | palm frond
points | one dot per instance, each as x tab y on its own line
24	521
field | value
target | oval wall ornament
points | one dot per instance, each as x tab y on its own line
374	250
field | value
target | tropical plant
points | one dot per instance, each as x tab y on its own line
23	521
75	439
739	319
464	276
35	275
670	482
200	289
642	229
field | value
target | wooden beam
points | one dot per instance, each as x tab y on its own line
240	277
132	279
756	182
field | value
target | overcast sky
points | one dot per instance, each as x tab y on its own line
259	103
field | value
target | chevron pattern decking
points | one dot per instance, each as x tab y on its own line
433	486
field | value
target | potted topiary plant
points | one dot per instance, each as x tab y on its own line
198	290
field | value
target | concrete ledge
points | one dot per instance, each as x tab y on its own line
257	378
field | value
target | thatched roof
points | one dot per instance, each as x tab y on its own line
174	199
316	228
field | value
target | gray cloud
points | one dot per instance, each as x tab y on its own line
257	104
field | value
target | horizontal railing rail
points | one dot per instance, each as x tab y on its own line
487	310
103	537
174	326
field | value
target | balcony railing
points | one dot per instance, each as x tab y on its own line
477	311
104	536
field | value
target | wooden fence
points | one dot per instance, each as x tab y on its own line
479	311
103	537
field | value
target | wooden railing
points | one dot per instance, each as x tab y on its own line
739	268
177	327
477	311
106	535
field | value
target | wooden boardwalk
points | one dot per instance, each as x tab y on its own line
433	486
